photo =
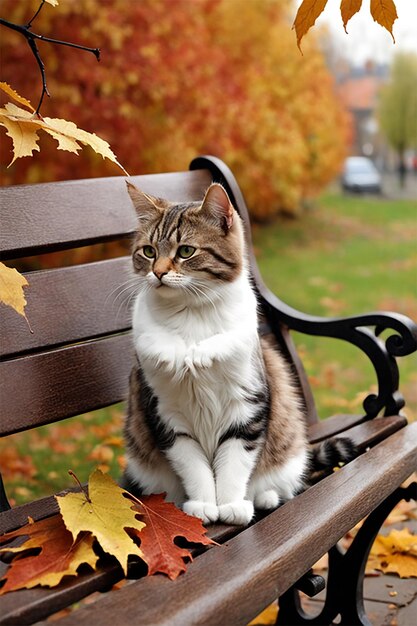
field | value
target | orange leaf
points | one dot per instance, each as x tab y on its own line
396	553
59	555
385	13
306	17
348	8
164	522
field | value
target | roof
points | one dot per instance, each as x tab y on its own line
360	93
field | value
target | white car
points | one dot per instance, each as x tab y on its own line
361	175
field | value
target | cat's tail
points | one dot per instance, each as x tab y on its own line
332	453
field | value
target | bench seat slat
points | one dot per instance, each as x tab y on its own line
332	426
46	387
264	560
55	216
69	304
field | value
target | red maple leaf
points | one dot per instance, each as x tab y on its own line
164	523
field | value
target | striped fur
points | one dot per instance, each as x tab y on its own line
214	418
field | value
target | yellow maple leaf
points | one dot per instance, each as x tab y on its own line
22	126
307	14
385	13
105	513
11	289
13	94
70	130
23	134
396	553
348	8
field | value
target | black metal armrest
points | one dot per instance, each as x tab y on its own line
363	331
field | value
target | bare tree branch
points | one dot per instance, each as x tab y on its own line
25	31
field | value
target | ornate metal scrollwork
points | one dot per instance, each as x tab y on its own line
345	575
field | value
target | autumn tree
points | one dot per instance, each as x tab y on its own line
180	78
398	108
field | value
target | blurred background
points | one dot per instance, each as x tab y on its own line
177	78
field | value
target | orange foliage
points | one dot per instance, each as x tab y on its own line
182	78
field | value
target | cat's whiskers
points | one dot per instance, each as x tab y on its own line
126	292
197	291
120	289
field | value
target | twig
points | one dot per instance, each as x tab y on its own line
31	37
29	24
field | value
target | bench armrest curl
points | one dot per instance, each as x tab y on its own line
363	331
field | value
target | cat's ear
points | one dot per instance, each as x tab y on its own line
143	202
217	206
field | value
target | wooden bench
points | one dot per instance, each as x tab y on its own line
76	360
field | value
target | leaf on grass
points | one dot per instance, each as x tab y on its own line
11	289
59	555
348	8
306	17
396	553
13	94
106	514
385	13
164	523
268	616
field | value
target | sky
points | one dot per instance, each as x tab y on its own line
367	40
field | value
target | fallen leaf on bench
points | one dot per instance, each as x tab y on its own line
59	555
164	523
106	513
109	516
396	553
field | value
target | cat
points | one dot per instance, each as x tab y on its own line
214	418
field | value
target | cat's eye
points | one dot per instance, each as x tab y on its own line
149	252
185	252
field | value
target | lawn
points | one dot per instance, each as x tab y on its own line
347	255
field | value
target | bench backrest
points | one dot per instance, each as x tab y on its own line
78	357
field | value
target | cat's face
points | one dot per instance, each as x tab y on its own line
187	249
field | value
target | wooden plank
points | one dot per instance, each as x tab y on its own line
235	582
70	304
50	386
374	431
55	216
364	434
332	426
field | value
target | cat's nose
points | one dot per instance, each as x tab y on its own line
159	274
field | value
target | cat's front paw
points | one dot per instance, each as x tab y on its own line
238	513
206	511
165	354
197	358
267	499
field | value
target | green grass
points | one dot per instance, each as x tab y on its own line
349	255
346	256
